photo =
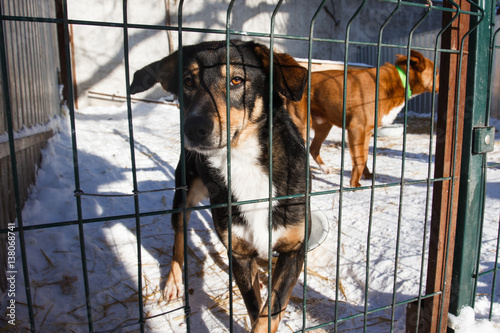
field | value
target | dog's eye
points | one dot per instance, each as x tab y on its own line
236	81
188	82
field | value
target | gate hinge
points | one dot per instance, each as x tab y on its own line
483	140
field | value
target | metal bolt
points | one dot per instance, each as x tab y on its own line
487	139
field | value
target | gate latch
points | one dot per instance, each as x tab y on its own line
483	140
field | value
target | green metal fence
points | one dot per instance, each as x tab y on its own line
454	181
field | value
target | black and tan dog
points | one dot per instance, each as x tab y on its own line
205	132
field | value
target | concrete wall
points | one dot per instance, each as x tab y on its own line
98	51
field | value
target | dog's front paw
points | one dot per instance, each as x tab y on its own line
327	170
172	292
173	288
261	325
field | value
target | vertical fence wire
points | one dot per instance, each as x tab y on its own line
342	162
140	305
228	144
374	165
403	167
185	212
270	166
76	170
308	218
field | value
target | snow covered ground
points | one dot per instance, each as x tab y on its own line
104	162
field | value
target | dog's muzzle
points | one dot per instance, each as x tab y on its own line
197	131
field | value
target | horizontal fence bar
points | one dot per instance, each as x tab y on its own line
357	315
134	194
223	32
146	26
489	271
204	207
320	325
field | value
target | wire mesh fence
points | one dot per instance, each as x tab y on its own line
98	261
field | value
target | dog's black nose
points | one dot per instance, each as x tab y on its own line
198	128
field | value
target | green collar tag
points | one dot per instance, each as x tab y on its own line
402	76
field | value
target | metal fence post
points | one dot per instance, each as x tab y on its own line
473	171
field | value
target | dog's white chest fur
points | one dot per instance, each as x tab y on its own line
391	116
249	182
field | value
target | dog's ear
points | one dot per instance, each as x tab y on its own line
164	71
289	77
417	60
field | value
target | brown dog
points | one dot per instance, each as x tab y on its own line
327	103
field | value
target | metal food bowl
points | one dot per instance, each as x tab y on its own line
319	229
393	130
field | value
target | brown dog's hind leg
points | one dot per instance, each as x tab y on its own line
286	273
357	171
321	130
366	172
357	144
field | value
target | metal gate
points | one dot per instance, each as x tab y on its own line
452	193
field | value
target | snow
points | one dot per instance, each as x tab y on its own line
465	322
111	246
52	125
